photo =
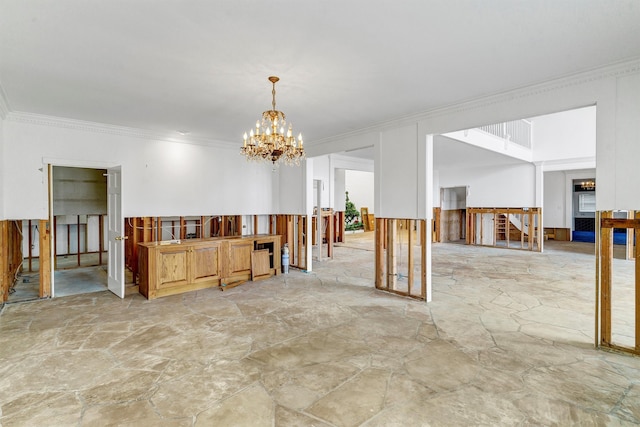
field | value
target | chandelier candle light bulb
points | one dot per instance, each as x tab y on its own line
272	144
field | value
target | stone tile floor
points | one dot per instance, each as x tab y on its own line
507	340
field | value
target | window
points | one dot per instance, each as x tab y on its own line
587	202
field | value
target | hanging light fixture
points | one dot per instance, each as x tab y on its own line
268	140
589	185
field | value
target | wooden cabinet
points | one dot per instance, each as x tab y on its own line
238	259
171	268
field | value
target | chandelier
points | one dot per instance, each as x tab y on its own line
268	141
589	185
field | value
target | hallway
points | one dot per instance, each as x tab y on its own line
507	340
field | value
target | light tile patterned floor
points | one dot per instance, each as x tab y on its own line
507	340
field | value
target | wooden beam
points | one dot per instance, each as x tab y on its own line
134	240
471	229
100	237
507	227
410	261
423	266
78	238
45	258
30	250
147	230
183	228
4	261
531	230
637	308
329	232
300	243
392	262
379	252
540	229
620	223
238	223
597	315
159	229
629	250
606	237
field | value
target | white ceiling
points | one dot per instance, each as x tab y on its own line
202	66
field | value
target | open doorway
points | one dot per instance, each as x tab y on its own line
450	219
79	218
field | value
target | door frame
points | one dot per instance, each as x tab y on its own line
47	171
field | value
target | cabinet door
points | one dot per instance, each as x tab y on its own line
172	266
240	257
205	263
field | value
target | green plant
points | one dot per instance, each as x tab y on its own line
350	211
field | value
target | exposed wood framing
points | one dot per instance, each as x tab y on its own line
389	233
30	250
436	237
630	253
5	274
604	278
531	236
327	227
10	255
338	226
300	259
380	252
45	258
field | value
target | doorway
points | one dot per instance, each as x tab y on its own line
79	218
451	219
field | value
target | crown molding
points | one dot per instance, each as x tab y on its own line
94	127
4	103
562	165
614	70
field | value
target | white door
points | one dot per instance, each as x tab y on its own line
116	231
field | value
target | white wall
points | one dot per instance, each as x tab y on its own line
396	173
2	168
322	171
507	186
615	90
360	187
339	186
454	198
566	135
555	203
159	177
293	188
627	148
